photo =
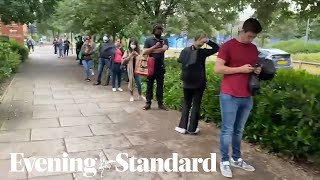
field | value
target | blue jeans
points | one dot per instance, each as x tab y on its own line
103	62
235	112
87	64
138	84
60	52
116	75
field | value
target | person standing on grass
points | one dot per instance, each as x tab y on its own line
87	50
194	79
130	60
155	47
236	61
116	67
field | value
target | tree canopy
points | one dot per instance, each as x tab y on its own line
26	11
136	17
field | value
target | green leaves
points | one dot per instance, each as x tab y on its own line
9	58
26	11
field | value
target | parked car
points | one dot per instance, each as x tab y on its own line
281	59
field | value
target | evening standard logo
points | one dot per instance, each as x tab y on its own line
122	163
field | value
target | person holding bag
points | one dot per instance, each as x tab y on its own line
155	47
193	60
130	60
236	60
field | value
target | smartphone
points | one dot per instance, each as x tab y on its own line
257	65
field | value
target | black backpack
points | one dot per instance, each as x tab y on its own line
268	71
107	50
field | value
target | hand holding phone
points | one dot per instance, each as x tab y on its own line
257	68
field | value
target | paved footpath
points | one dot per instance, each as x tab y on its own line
49	109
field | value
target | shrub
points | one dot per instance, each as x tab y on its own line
9	60
285	117
297	47
20	49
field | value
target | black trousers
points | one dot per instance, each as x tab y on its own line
192	97
77	52
159	78
66	51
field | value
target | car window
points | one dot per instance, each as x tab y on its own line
261	53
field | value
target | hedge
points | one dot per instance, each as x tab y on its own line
11	55
297	46
285	118
20	49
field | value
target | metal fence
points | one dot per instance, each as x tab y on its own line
311	67
301	63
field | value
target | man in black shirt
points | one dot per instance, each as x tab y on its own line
66	47
155	47
78	48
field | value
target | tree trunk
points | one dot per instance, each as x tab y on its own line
53	35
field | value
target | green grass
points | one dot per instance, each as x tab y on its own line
297	46
307	57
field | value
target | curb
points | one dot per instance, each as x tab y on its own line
7	88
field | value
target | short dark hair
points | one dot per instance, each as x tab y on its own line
157	27
252	25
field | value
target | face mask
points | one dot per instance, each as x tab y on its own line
133	46
158	36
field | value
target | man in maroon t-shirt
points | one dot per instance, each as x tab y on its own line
236	61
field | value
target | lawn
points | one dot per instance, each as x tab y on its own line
310	57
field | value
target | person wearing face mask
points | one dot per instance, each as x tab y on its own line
193	60
130	60
155	47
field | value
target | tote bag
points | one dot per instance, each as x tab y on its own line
145	65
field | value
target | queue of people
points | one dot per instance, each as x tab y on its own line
237	61
61	46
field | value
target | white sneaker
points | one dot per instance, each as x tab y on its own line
120	89
142	98
196	132
180	130
225	169
131	99
114	89
242	165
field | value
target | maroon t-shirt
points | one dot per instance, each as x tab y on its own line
237	54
